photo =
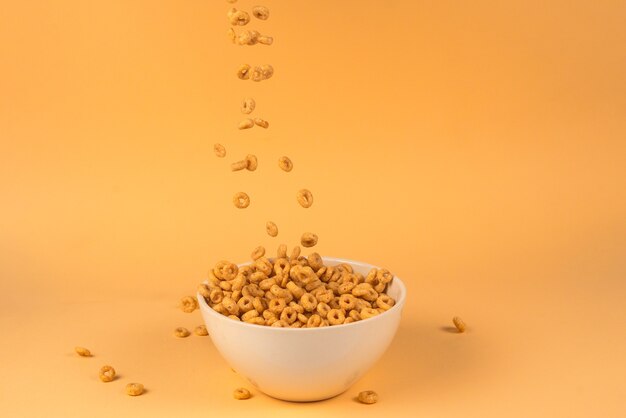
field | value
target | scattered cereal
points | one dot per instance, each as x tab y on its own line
201	331
247	37
241	200
258	253
251	162
239	165
219	150
459	324
261	12
82	351
271	228
285	164
188	304
267	71
246	124
248	105
107	373
262	123
238	17
265	40
241	394
308	239
244	72
368	397
305	198
134	389
181	332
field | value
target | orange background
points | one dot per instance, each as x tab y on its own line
476	149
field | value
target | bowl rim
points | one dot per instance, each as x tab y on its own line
397	306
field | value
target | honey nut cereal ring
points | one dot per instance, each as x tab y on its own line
289	315
335	317
246	304
296	324
231	35
241	394
256	321
188	304
248	105
305	198
265	40
204	290
261	12
296	307
282	251
243	73
267	71
285	164
257	277
230	305
315	261
258	253
279	292
82	351
219	308
252	162
249	315
323	309
459	324
266	284
347	301
247	37
348	320
239	165
106	373
314	321
295	290
225	286
264	265
219	150
385	302
181	332
238	17
280	323
345	288
368	397
259	304
245	124
295	253
354	314
277	305
368	313
308	302
216	296
234	317
134	389
262	123
225	270
201	331
241	200
272	230
303	318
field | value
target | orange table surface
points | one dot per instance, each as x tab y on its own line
476	149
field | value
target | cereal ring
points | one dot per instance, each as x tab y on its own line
296	324
354	314
314	321
280	324
181	332
248	105
204	290
82	351
348	320
261	12
241	200
216	296
308	239
247	37
188	304
263	265
345	288
308	302
243	72
285	164
315	261
267	283
303	318
347	301
335	317
267	71
289	315
272	231
258	253
225	270
245	304
325	296
256	74
385	302
305	198
265	40
262	123
245	124
259	304
459	324
295	290
277	305
219	150
219	308
295	253
230	305
368	313
256	321
231	34
234	317
201	331
323	309
368	397
107	373
249	315
251	162
134	389
282	251
239	165
241	394
238	17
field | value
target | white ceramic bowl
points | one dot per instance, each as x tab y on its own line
306	364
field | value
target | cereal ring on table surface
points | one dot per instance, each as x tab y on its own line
239	165
335	317
248	105
181	332
238	17
258	253
243	72
219	150
188	304
262	123
241	394
459	324
308	239
252	162
305	198
285	164
134	389
261	12
315	261
368	397
201	331
241	200
106	373
385	302
271	229
245	124
368	313
82	351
